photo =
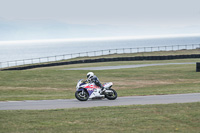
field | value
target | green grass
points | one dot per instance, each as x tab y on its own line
55	83
171	118
118	63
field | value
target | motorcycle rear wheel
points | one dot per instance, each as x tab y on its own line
111	96
80	96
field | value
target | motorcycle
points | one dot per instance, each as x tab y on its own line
85	91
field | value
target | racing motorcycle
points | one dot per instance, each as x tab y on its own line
85	91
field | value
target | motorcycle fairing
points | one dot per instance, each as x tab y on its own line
108	85
91	88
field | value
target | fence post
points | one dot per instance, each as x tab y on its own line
102	52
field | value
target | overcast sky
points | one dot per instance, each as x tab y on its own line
44	19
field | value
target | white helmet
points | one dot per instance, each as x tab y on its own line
90	75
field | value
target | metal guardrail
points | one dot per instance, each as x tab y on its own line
96	53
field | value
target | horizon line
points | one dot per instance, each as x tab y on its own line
100	38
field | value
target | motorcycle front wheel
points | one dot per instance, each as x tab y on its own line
111	95
82	96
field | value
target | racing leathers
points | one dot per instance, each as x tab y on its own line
95	80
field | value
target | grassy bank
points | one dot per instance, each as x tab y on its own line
158	53
182	118
139	54
56	83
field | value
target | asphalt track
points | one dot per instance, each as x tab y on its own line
127	66
73	103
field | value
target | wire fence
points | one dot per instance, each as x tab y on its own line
97	53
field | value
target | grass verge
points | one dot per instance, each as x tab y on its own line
182	118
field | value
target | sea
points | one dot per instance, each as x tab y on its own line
18	51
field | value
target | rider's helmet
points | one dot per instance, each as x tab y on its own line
90	75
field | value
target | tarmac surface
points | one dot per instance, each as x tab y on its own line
74	103
127	66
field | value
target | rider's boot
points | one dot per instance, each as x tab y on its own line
102	90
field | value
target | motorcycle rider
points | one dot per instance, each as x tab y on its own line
91	78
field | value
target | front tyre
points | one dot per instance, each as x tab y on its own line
82	96
111	95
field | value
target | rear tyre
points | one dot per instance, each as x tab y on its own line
111	95
82	96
